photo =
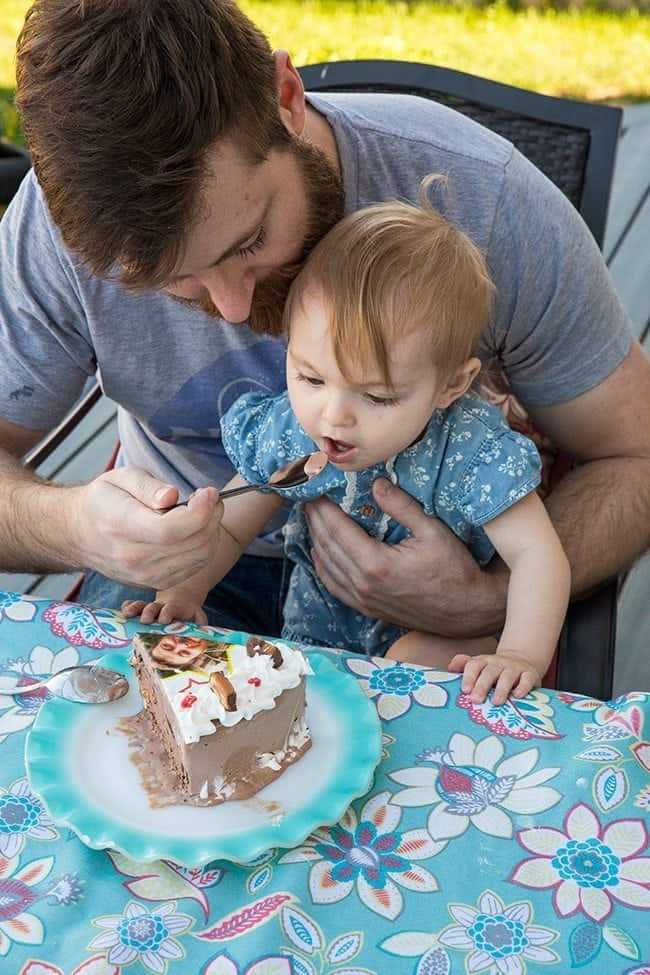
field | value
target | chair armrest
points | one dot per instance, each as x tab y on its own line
587	643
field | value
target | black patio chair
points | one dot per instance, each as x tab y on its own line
574	144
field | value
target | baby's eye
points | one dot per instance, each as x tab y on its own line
312	380
382	400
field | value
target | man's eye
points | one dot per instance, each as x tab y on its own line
254	246
382	400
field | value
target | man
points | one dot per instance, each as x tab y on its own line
182	176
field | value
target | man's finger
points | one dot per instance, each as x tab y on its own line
399	505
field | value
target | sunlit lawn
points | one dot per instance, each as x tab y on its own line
598	56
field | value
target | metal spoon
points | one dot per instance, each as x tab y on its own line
85	684
293	474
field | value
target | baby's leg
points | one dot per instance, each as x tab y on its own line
430	650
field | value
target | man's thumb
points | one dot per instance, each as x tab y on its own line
398	504
142	486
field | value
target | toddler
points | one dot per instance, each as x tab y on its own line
383	323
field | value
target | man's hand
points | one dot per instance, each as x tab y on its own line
428	582
118	526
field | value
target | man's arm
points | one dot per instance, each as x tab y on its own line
110	524
601	509
601	512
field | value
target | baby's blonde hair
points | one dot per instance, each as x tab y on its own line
392	269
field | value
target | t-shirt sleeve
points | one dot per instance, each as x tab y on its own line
46	352
260	433
559	327
503	470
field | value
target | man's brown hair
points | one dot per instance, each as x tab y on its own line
120	101
392	269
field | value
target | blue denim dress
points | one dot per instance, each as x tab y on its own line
467	468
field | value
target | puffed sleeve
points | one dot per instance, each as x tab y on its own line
504	469
260	434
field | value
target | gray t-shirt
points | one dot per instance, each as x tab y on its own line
558	327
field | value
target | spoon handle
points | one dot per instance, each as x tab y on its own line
230	493
27	688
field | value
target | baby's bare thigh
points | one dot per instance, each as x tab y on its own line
437	651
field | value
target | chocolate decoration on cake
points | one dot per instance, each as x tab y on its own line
224	689
255	644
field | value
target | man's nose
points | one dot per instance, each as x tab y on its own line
231	291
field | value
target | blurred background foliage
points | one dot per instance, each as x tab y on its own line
598	50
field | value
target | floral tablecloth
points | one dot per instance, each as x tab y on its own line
503	840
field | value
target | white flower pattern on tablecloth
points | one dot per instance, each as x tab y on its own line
396	686
22	815
586	865
499	938
16	608
142	935
471	782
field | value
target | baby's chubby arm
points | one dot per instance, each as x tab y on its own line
243	519
538	595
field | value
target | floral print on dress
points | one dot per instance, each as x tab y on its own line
467	467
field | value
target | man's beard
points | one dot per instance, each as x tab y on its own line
325	204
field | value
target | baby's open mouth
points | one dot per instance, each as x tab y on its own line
337	450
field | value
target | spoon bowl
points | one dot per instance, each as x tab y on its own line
85	684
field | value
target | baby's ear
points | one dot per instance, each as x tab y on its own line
459	382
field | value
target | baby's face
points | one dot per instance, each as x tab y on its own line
361	422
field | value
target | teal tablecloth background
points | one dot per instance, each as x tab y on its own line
503	841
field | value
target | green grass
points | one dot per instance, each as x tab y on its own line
588	54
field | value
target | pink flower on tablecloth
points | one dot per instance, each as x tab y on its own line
499	938
138	934
20	711
22	815
370	854
587	865
397	686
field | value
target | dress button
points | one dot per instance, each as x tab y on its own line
366	511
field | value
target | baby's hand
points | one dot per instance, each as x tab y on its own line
168	606
505	672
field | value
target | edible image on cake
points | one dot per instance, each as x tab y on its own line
171	652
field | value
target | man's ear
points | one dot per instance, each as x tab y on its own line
459	382
291	93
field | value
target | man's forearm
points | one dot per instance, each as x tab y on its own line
601	511
33	533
